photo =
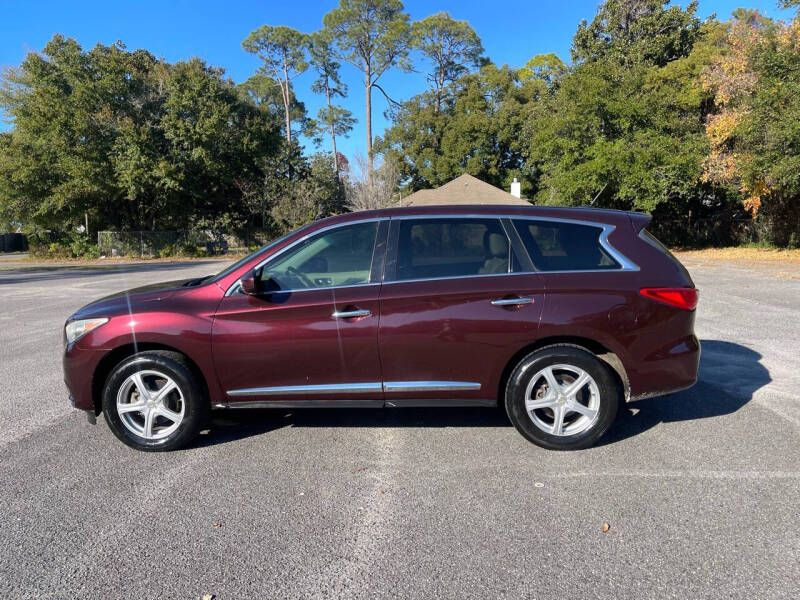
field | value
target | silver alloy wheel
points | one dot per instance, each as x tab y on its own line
562	400
150	404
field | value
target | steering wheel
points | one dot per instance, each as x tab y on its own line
301	276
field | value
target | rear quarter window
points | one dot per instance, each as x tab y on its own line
562	246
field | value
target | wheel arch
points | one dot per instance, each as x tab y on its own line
594	347
120	353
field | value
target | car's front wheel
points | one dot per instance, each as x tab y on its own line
153	402
562	398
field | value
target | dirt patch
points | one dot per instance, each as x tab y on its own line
742	255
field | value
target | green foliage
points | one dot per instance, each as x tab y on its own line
126	139
374	36
624	127
265	92
283	52
754	130
450	46
314	194
476	131
631	31
333	120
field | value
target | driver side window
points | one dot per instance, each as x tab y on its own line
338	257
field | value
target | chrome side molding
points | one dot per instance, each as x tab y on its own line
430	386
290	390
359	388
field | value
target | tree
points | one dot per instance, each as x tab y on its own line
283	52
451	46
338	121
629	31
624	129
372	35
754	140
126	139
476	131
266	93
368	191
314	194
547	68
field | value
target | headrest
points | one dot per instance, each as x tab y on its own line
497	245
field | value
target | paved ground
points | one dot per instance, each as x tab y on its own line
700	488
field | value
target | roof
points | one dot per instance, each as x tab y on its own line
582	213
464	189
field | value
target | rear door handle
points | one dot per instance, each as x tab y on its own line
349	314
512	301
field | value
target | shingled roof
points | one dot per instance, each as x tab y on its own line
464	189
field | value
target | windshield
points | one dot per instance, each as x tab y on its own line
228	270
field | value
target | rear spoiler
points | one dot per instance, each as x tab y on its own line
639	221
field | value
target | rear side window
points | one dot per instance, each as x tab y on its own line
434	248
562	246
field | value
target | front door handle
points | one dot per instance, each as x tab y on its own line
513	301
349	314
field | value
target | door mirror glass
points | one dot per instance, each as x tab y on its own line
250	283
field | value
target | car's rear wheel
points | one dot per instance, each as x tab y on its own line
152	401
562	398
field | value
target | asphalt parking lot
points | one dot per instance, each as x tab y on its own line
701	488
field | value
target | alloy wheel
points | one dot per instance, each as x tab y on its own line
562	400
150	404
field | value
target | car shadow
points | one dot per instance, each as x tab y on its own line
729	376
231	425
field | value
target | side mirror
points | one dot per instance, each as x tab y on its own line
250	283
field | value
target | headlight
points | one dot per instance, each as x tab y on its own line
77	329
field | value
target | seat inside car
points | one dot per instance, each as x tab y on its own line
496	247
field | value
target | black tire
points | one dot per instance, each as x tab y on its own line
595	427
195	404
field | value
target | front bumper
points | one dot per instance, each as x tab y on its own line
79	366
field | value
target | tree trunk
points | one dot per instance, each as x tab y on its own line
333	130
286	99
368	89
287	114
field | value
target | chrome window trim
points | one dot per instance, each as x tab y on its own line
430	386
625	263
358	388
290	390
235	285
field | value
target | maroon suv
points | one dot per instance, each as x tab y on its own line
560	314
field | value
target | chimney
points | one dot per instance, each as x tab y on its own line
516	188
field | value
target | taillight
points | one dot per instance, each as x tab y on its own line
685	298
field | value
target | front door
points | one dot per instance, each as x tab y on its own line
454	310
312	336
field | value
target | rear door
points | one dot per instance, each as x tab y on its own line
455	308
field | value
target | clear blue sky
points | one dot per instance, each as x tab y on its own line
512	31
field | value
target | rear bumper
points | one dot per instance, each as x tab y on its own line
667	370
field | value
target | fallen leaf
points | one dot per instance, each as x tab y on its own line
217	525
605	527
